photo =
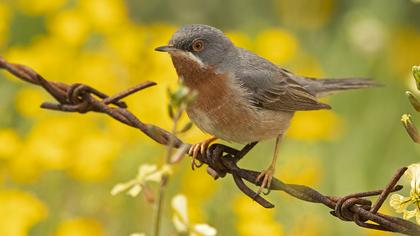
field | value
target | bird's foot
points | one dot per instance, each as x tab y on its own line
199	148
266	176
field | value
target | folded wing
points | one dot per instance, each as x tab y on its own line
273	88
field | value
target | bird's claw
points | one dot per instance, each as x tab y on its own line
193	152
266	176
198	148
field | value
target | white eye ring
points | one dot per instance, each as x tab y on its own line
198	45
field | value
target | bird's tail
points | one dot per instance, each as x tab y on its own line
323	87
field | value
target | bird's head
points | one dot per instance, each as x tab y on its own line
202	43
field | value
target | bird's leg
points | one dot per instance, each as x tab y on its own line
197	148
267	174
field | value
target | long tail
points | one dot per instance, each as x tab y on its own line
323	87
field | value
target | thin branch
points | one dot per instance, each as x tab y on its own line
221	159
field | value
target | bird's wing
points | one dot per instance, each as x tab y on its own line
273	88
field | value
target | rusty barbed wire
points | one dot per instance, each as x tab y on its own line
220	159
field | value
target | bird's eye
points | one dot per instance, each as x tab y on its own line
198	45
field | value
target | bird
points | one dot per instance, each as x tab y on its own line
241	96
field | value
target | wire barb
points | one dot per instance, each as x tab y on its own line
221	159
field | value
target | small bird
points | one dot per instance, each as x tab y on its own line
243	97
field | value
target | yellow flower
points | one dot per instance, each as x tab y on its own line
405	47
51	152
80	227
19	211
69	26
10	143
252	219
66	142
315	125
104	15
93	156
308	224
3	174
129	44
52	139
306	65
149	112
4	23
48	55
181	221
25	167
306	170
306	14
40	7
240	39
28	101
401	203
277	45
96	64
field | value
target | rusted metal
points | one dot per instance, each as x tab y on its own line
221	159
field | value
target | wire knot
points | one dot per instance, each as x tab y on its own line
343	209
78	95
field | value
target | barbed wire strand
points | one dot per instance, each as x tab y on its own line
220	159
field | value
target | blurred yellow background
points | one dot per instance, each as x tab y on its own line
57	170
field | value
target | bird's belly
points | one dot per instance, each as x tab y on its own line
240	123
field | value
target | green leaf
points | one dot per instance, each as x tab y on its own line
186	127
413	100
416	74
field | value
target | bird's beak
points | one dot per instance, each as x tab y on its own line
166	48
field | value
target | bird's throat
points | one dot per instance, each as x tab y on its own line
191	69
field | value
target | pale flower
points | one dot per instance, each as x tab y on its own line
401	203
181	221
146	173
137	234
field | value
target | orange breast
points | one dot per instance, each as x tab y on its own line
218	109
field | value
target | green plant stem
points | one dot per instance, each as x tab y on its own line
159	204
165	178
